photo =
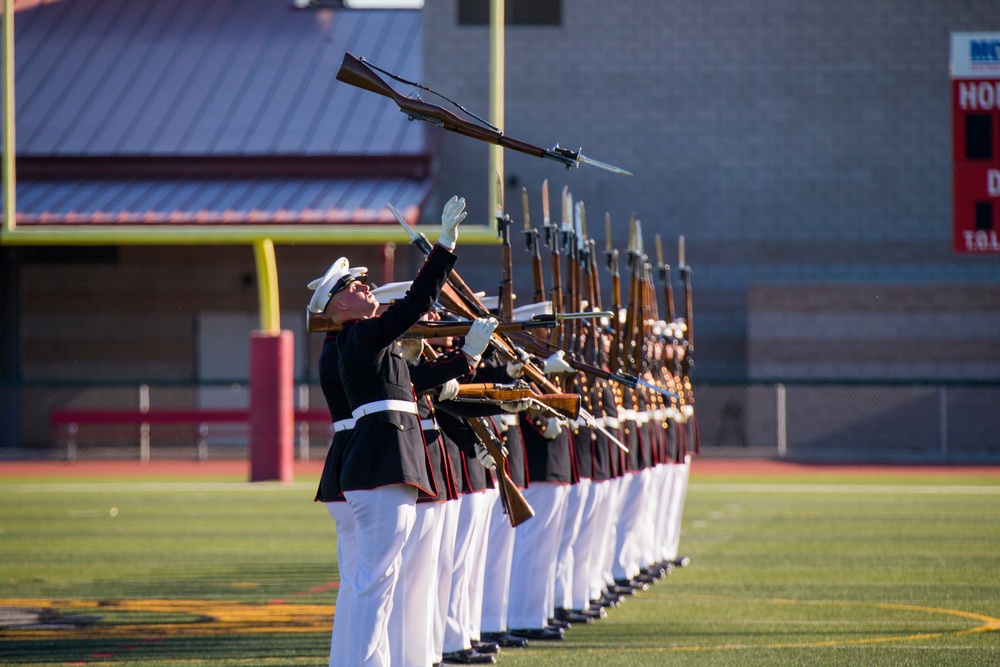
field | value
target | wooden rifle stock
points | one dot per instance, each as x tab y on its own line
355	72
566	405
614	355
506	290
323	323
531	245
511	499
494	391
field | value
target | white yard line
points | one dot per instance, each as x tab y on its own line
844	488
154	487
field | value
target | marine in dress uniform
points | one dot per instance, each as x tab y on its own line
551	471
383	465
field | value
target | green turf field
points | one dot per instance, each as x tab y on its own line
819	570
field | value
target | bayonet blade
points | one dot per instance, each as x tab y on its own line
499	196
580	157
524	205
559	317
399	218
545	203
567	209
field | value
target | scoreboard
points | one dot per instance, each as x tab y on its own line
975	91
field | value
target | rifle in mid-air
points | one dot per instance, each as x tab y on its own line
361	73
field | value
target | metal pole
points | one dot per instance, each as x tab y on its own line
10	282
267	287
9	137
497	12
782	420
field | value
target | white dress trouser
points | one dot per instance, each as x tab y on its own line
384	518
346	564
482	504
466	567
446	561
632	524
619	489
411	621
678	495
646	529
588	545
605	494
496	580
664	480
566	564
536	545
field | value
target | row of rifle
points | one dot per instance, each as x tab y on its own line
637	347
644	355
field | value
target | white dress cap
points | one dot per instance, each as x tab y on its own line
532	309
337	277
390	292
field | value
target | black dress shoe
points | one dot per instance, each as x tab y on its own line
469	656
537	633
655	571
591	612
572	616
504	639
559	623
599	609
608	599
486	647
633	584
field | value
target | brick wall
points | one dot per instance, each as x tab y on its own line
790	142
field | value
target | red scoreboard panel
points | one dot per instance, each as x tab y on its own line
975	95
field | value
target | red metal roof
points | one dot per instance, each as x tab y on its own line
216	201
220	111
223	77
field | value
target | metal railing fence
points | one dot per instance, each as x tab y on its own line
920	422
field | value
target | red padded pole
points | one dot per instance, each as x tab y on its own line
272	407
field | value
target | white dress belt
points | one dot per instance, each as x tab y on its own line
628	415
388	405
429	424
344	425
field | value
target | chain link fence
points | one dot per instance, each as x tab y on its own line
816	422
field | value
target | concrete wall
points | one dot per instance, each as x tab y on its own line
791	143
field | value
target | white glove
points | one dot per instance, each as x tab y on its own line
479	337
516	406
515	369
449	390
552	428
557	364
484	457
452	214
